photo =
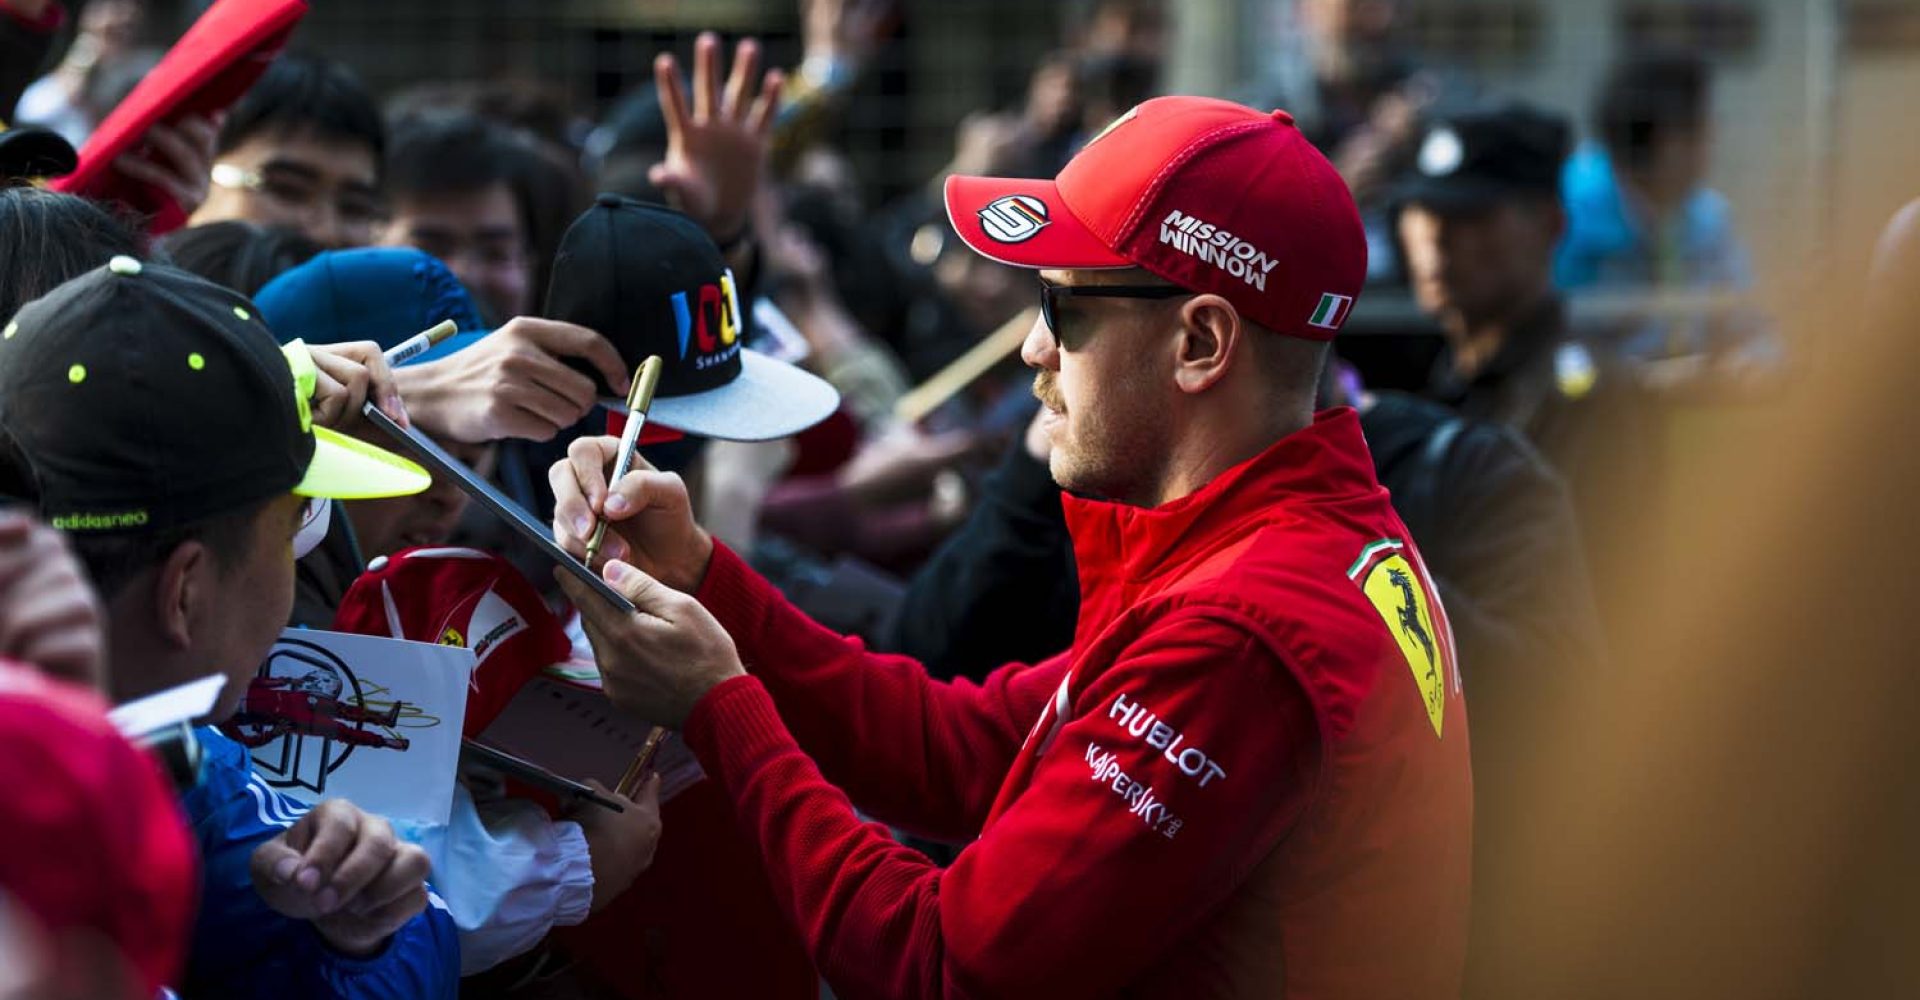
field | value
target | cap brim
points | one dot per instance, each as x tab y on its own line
1050	238
345	468
1450	196
769	400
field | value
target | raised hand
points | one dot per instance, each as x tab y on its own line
847	30
177	159
717	151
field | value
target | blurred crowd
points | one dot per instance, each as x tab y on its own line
1545	290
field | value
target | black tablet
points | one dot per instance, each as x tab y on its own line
438	462
533	774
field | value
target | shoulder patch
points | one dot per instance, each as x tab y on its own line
1398	592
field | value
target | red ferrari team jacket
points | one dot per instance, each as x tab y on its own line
1247	777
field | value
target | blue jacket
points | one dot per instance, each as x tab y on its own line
242	949
1610	243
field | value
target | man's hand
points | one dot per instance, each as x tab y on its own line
620	845
843	30
344	870
49	615
716	154
650	521
903	463
987	141
512	383
177	159
1367	157
349	375
658	662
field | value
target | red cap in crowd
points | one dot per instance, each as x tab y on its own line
94	846
467	598
1207	194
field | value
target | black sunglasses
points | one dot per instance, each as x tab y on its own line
1051	294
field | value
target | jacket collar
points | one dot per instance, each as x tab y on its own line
1525	356
1130	548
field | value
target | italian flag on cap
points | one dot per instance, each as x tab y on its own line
1331	312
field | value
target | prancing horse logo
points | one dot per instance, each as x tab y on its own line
1410	613
1395	587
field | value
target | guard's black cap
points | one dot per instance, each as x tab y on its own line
142	397
1473	160
651	281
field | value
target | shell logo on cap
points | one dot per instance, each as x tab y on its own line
1015	218
1442	153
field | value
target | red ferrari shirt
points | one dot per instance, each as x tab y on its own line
1247	777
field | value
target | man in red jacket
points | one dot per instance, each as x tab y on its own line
1249	774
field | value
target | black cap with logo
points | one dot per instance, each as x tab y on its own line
651	281
1473	160
142	397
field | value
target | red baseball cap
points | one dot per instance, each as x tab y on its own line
95	841
206	71
1210	195
461	597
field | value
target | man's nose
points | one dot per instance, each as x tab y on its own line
1039	350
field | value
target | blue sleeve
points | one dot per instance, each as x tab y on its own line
243	949
1600	236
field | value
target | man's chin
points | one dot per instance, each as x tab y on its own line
1072	476
224	709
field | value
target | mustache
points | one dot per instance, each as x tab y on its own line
1048	393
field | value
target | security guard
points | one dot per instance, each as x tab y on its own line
1477	225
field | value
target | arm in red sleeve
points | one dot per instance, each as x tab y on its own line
876	724
1119	845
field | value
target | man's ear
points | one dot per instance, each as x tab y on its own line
1210	332
182	583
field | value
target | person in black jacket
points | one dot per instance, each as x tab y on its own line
1477	227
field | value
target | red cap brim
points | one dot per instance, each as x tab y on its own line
205	72
1024	223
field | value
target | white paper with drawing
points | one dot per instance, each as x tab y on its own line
359	717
